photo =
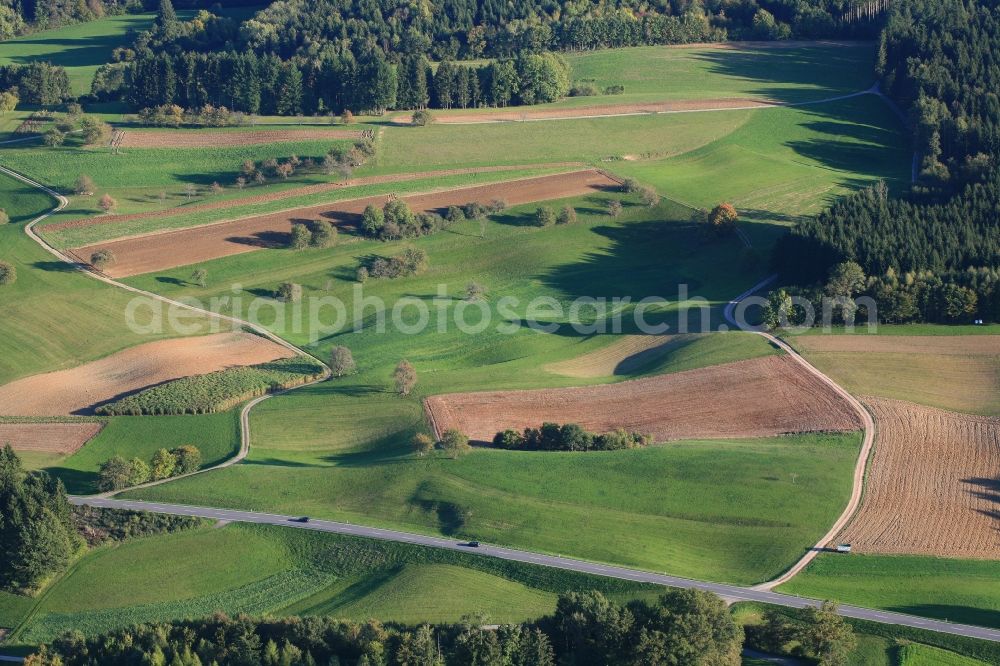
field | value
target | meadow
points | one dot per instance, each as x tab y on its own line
271	570
54	317
216	436
966	591
80	48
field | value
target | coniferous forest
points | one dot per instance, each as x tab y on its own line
933	254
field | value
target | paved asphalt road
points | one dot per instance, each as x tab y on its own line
728	592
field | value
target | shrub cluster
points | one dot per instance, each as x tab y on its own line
117	473
215	391
171	115
568	437
98	525
411	261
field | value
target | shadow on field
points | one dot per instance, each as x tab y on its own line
962	614
76	481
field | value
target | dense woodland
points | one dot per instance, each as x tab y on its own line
940	245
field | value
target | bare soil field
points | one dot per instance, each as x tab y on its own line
80	389
959	373
522	114
182	138
619	358
760	397
160	251
932	486
60	438
305	190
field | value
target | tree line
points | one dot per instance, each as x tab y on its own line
370	83
932	254
680	627
568	437
117	473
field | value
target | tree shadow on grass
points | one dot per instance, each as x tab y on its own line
57	266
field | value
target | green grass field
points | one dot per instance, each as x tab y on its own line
80	48
924	655
272	570
966	591
215	435
53	317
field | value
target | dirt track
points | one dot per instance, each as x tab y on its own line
161	251
63	438
305	190
181	138
754	398
79	389
932	486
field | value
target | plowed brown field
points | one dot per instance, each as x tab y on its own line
159	251
753	398
61	438
80	389
182	138
933	484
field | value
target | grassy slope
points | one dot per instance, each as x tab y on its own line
80	48
278	571
966	591
53	318
215	435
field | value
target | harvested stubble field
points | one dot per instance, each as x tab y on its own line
159	251
80	389
620	358
599	111
760	397
305	190
932	484
60	438
966	369
183	138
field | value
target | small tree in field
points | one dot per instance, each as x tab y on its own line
4	217
545	217
404	377
54	138
102	259
649	196
422	444
107	203
566	216
475	292
455	442
324	234
421	118
187	459
722	219
163	464
217	188
8	274
84	186
614	208
115	473
347	118
241	182
300	237
199	277
342	362
289	292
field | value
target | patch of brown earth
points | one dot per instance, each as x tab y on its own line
61	438
80	389
183	138
759	397
933	485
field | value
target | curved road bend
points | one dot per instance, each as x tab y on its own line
761	592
